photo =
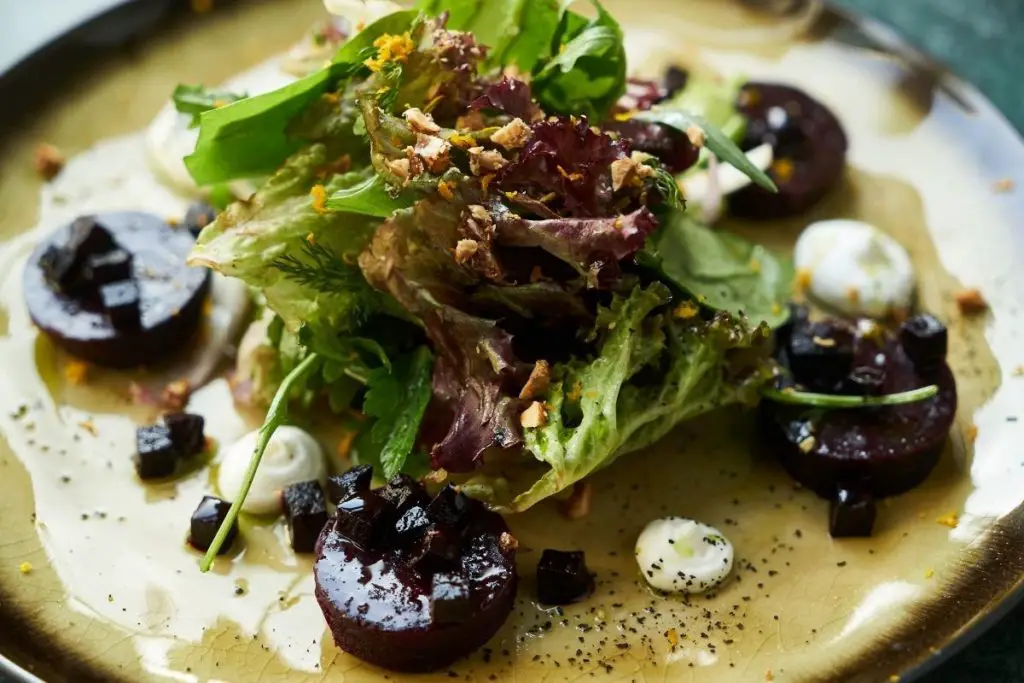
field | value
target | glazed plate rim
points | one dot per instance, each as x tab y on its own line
995	600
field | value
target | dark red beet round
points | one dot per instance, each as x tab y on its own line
387	607
880	451
809	146
171	296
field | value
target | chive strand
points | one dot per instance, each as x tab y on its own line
804	398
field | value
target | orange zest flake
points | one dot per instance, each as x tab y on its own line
624	115
88	426
319	197
783	169
485	182
618	223
344	446
207	307
853	295
673	637
950	519
803	279
571	177
462	141
445	190
576	393
76	371
686	310
971	432
332	97
390	48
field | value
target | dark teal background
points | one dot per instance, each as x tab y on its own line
981	41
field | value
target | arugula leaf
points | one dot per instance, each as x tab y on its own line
721	270
715	140
369	198
588	75
249	137
196	99
398	400
517	32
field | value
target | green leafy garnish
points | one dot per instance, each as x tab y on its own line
721	270
398	400
715	140
276	416
369	198
196	99
836	401
588	75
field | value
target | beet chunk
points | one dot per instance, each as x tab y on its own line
305	510
156	455
341	487
925	341
851	513
206	521
427	588
186	432
102	269
563	577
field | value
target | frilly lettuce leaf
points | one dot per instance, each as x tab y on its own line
651	372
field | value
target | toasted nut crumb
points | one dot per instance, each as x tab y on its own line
537	384
420	122
971	432
89	426
474	120
434	152
76	371
808	444
950	519
971	302
624	174
176	394
696	135
512	135
507	541
484	162
465	249
769	676
535	416
401	168
1004	185
1018	371
436	476
445	190
578	504
48	161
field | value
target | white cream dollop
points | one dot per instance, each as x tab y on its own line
679	555
361	12
855	268
292	456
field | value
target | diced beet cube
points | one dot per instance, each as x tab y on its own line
851	514
59	268
156	456
438	550
63	265
198	216
449	507
402	492
102	269
206	521
121	301
305	510
563	577
356	481
411	526
88	238
821	355
361	519
925	340
186	432
450	598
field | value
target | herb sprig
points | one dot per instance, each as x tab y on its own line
836	401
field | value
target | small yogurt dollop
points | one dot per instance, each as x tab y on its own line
292	457
855	268
679	555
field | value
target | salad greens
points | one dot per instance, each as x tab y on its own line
196	99
506	255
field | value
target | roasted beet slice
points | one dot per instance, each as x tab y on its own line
809	146
886	450
388	606
130	333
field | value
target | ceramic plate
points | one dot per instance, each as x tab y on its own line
95	580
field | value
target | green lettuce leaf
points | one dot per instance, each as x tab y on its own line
588	74
397	398
723	271
372	197
650	373
196	99
250	137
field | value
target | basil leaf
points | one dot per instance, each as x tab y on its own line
398	399
588	75
369	198
714	139
249	137
196	99
723	271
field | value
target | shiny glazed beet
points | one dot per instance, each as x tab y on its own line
887	450
563	577
809	147
418	590
148	316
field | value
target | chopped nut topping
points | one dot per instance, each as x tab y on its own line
48	161
535	416
1004	185
484	162
465	249
696	135
807	444
436	476
420	122
540	379
578	504
401	169
971	432
445	190
971	302
480	214
434	151
474	120
507	541
624	174
512	135
175	395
